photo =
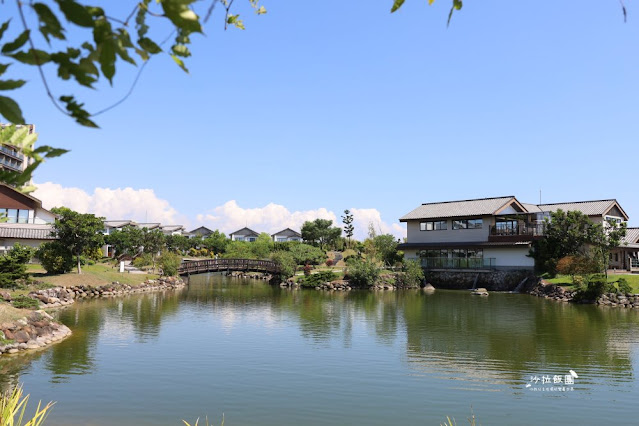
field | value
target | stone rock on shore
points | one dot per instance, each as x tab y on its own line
62	296
32	332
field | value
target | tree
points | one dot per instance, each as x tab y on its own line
169	262
285	261
305	254
55	258
347	220
153	242
127	241
262	246
386	249
604	238
13	265
216	242
566	233
78	232
320	231
177	243
572	233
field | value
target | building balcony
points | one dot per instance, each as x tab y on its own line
458	263
515	232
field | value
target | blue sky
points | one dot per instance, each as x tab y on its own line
337	105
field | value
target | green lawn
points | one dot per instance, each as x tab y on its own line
566	280
94	275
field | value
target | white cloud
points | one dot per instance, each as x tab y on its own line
271	218
230	217
141	205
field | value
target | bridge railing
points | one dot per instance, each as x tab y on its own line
214	265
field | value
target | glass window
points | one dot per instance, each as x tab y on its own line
12	215
460	224
475	223
251	239
433	226
23	216
239	238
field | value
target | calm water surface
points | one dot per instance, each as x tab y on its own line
261	355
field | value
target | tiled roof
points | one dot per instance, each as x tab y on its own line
148	225
532	208
288	232
483	206
26	231
172	228
590	208
118	223
632	236
240	232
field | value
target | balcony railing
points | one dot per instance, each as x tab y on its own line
523	229
458	263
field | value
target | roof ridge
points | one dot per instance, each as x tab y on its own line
472	199
578	202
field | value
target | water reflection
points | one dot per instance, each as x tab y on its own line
452	338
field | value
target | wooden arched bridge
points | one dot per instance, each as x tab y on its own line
191	267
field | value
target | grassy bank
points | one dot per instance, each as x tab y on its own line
566	280
93	275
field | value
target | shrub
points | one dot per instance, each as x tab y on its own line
13	266
314	280
623	286
169	262
143	260
307	269
412	274
363	273
25	302
329	262
595	287
286	263
55	258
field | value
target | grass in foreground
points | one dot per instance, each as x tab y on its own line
566	281
94	275
13	406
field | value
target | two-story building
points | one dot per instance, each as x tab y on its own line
24	220
244	234
492	233
286	235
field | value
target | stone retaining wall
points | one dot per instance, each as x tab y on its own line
61	296
557	292
35	331
490	280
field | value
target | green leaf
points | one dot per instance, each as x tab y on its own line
50	152
10	110
75	13
181	50
457	5
235	21
4	27
181	16
149	45
396	5
31	57
77	111
261	10
107	60
180	62
49	23
17	43
11	84
3	68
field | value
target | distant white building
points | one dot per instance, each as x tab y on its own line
172	229
26	221
286	235
244	234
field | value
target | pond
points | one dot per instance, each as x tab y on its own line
262	355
